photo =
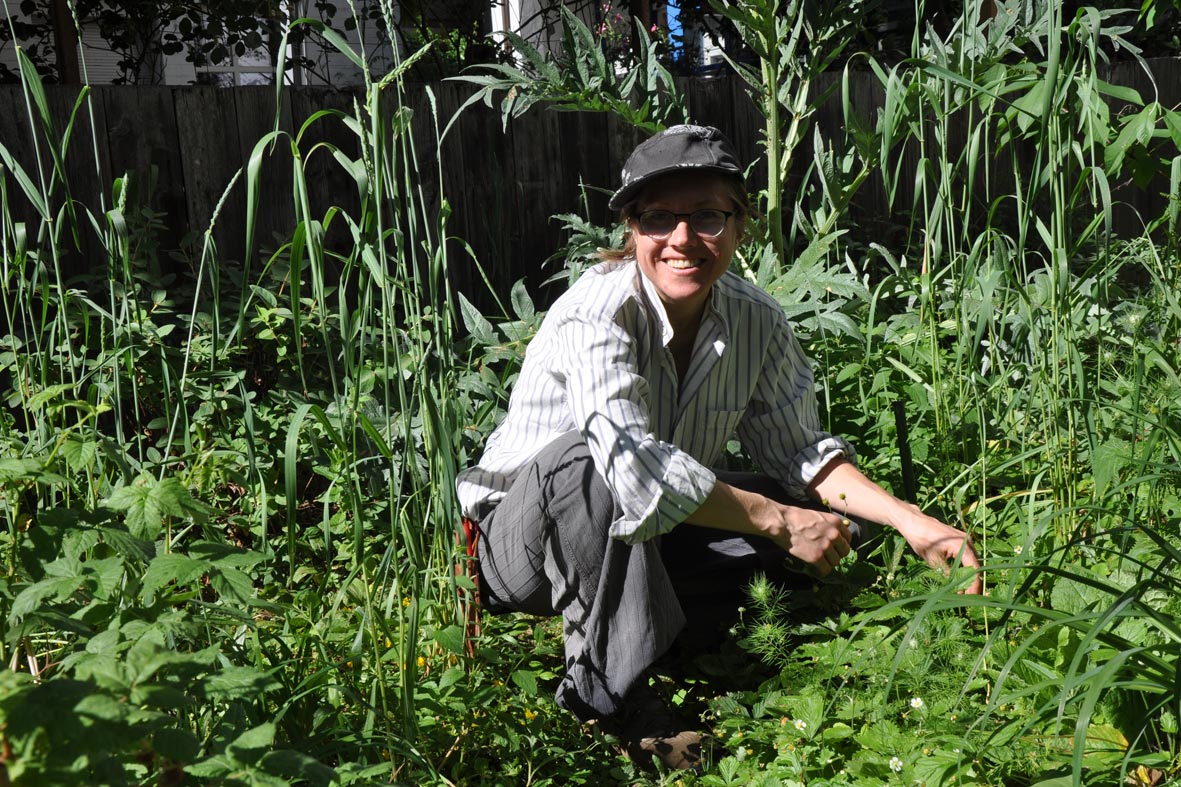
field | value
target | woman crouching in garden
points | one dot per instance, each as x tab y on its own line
595	498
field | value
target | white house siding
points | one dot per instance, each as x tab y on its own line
100	64
523	18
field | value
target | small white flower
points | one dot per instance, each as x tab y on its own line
896	765
916	702
801	725
1016	550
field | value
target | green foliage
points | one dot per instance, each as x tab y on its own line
228	542
583	78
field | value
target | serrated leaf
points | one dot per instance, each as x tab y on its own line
1108	461
480	329
79	454
235	586
42	398
526	681
232	683
141	512
146	501
522	304
160	697
166	568
14	469
217	765
451	638
51	589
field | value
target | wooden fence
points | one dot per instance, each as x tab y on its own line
504	185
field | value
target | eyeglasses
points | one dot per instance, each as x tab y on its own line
708	223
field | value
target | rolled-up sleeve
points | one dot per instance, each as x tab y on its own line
781	428
656	485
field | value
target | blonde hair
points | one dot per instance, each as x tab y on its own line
737	193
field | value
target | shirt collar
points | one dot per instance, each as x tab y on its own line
666	329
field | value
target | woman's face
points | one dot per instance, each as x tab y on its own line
684	265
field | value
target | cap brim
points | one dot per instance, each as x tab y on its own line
628	192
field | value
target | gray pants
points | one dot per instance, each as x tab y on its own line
545	551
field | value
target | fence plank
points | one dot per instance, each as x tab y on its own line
275	216
17	137
541	188
207	130
85	162
328	184
141	142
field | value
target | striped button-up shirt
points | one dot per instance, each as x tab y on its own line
600	364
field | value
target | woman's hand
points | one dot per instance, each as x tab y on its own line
819	538
940	544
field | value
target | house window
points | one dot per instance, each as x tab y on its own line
252	67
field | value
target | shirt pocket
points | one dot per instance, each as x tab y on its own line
705	436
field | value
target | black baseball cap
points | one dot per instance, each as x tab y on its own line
675	149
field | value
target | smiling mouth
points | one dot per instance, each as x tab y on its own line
683	265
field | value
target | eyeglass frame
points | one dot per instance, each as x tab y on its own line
688	217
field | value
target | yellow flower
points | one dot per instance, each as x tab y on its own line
530	715
405	601
421	662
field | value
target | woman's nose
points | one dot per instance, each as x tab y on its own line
682	233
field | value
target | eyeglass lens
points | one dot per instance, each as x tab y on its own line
708	223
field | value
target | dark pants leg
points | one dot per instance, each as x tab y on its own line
545	551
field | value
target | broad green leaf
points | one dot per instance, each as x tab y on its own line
525	680
176	744
79	454
167	568
234	587
522	303
1131	95
161	697
213	767
234	683
304	768
1028	108
1108	461
480	329
1137	131
42	398
251	745
142	512
13	469
146	501
50	589
451	638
